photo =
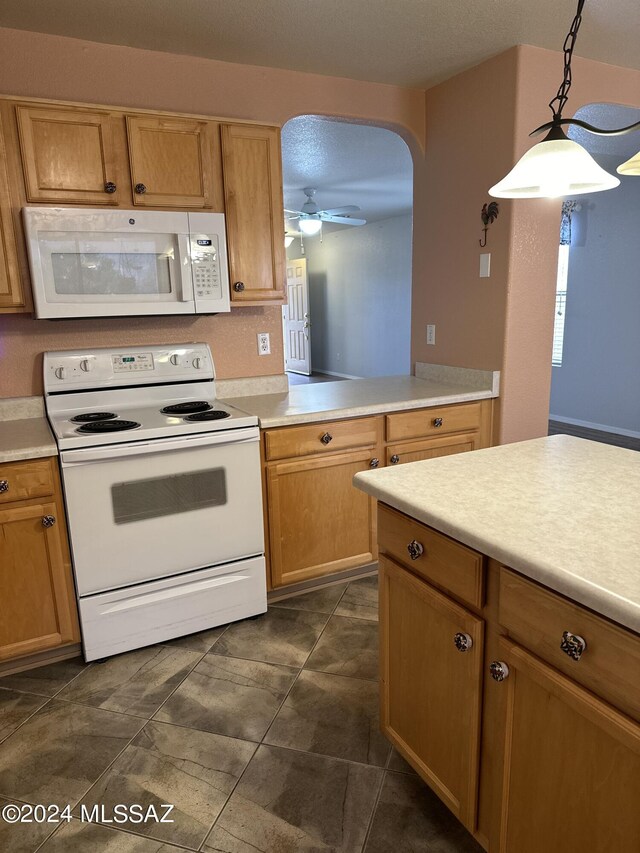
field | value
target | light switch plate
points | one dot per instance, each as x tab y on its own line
431	334
485	265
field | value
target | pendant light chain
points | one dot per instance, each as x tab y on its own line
557	104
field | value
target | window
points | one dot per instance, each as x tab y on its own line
561	300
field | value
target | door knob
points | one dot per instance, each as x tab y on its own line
110	187
394	459
327	438
48	520
140	189
238	286
437	422
4	485
415	549
498	670
463	642
374	463
573	645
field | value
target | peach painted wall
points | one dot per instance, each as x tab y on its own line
478	125
43	66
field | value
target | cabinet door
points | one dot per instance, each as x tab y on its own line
318	522
252	168
431	691
572	765
68	155
431	448
11	296
174	162
37	605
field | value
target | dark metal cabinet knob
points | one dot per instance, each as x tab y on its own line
394	459
110	187
374	463
462	642
573	645
327	438
498	670
415	549
140	189
238	286
48	520
4	485
437	422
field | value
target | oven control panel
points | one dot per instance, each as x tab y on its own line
111	368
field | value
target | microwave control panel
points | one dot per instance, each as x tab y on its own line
205	265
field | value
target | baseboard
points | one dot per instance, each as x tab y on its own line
282	592
10	667
334	373
599	427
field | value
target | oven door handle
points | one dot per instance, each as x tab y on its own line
91	455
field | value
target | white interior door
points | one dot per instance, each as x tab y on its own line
296	319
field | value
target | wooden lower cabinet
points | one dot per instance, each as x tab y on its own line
37	600
534	754
430	691
432	448
318	522
571	765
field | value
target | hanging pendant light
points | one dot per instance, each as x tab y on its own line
630	167
558	166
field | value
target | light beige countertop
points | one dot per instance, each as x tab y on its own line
323	401
24	430
563	511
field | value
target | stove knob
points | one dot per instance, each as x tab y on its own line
86	365
175	359
60	372
197	363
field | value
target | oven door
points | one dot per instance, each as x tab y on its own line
145	510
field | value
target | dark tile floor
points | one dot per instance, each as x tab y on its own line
263	735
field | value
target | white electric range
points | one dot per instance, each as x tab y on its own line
163	494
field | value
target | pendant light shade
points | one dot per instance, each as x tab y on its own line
631	167
558	166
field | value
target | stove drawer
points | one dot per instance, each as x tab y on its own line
137	616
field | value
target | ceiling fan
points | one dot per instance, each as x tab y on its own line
311	217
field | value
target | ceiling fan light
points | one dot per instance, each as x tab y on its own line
310	225
630	167
554	167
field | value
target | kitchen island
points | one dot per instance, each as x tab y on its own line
510	654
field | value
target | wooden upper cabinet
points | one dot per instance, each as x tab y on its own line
68	155
11	295
252	171
174	162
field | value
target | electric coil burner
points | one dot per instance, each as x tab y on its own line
88	417
210	415
164	498
188	408
107	426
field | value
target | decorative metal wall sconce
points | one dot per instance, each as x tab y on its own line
488	215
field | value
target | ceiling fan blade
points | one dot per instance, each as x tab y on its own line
297	212
342	220
338	211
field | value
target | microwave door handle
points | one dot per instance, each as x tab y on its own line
185	269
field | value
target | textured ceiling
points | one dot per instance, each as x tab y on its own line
406	42
347	164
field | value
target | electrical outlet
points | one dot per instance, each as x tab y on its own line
431	334
264	343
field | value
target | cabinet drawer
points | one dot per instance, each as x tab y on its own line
537	619
324	437
440	560
425	422
22	480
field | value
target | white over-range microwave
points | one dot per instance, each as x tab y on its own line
120	263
